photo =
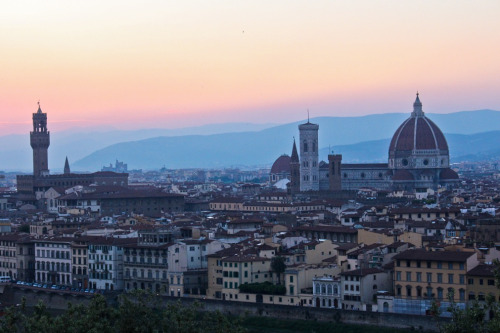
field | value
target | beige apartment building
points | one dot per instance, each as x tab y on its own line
241	269
421	277
481	283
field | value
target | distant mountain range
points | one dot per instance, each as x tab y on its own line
474	147
476	134
360	139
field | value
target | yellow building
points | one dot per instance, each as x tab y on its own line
481	283
241	269
421	277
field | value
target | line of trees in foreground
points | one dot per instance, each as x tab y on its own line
137	313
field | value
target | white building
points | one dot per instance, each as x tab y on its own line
327	292
53	261
106	263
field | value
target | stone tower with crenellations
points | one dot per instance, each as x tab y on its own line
40	142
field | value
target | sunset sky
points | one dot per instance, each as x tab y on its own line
137	64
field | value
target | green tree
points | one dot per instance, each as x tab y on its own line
278	266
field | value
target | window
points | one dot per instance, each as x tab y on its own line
440	293
461	294
291	278
450	265
439	265
450	278
429	277
481	282
440	278
491	282
408	276
419	277
470	281
461	278
428	264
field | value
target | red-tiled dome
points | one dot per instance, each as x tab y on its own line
281	165
418	133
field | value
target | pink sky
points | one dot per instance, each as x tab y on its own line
133	64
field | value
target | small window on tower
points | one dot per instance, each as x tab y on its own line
305	146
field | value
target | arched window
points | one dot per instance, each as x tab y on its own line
313	146
318	289
323	289
461	293
329	289
305	146
440	293
408	291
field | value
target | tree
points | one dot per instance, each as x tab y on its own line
470	319
278	266
139	311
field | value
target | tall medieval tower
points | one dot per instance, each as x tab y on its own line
309	166
40	141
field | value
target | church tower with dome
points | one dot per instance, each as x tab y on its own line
418	159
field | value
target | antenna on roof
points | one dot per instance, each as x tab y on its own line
307	115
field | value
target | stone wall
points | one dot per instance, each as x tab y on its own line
59	301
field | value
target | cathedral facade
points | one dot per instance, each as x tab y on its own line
418	159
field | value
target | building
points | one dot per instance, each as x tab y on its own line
40	142
116	200
79	266
421	277
481	283
327	292
53	261
359	287
8	255
418	159
145	261
309	164
280	169
42	180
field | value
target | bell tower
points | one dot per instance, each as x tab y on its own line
309	167
40	141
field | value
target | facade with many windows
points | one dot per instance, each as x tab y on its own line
106	263
421	277
481	284
53	261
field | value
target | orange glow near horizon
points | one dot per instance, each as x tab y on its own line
132	64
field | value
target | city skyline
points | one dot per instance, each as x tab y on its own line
131	65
